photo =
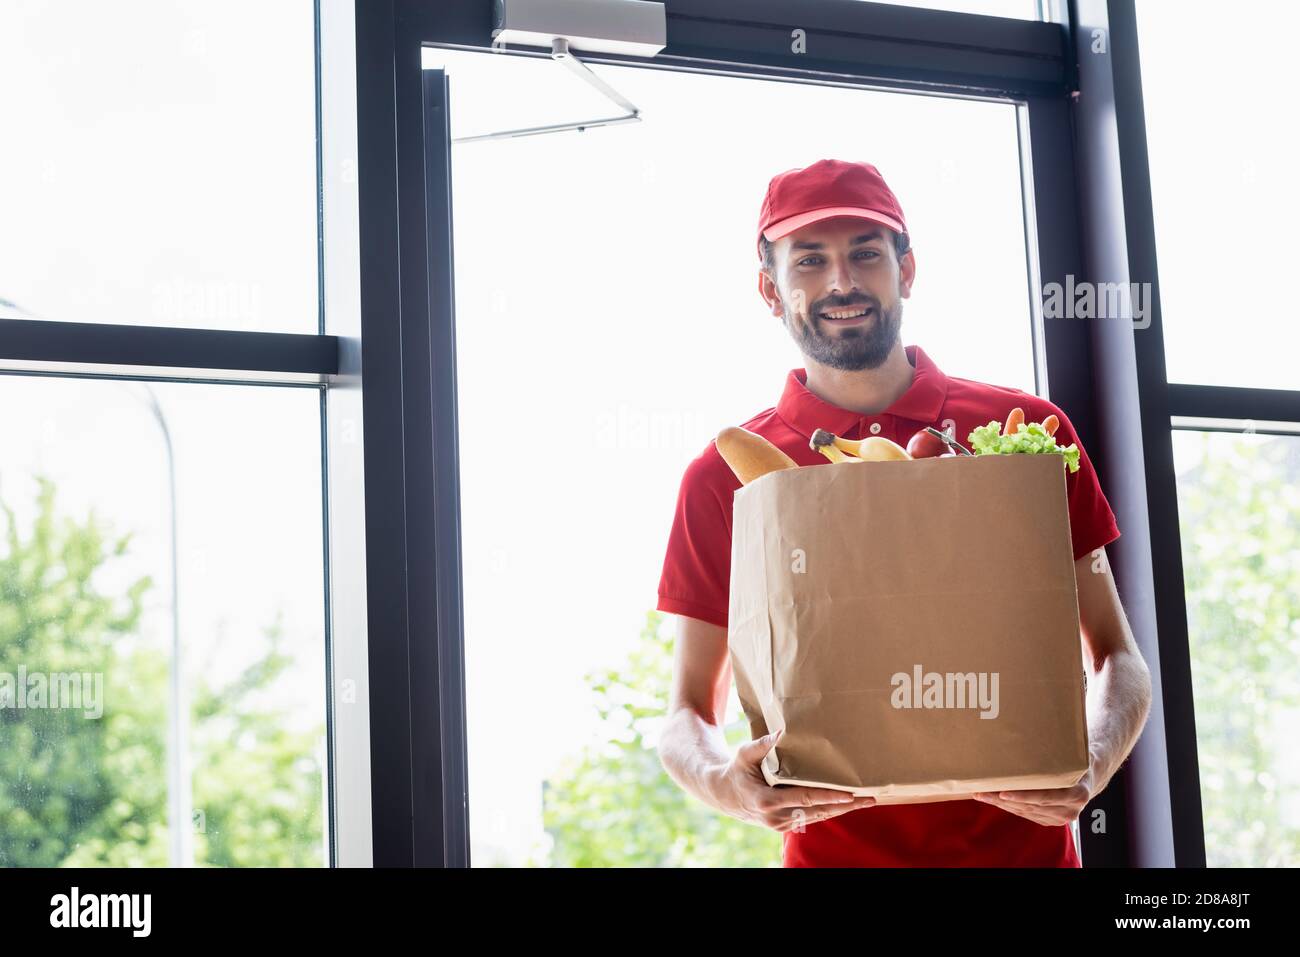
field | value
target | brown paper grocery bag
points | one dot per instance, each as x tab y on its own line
912	626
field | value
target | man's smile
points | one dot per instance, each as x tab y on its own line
846	315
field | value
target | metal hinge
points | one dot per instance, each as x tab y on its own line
560	51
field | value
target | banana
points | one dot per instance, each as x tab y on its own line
876	448
834	454
828	444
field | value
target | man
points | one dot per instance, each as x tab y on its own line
837	264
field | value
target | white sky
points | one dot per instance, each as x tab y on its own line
1224	189
158	162
1019	9
606	301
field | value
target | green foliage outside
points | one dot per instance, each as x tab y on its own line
615	806
1240	519
79	791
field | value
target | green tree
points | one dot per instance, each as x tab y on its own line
260	782
1240	518
80	791
63	775
614	805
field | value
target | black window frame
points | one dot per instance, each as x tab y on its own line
1084	138
1162	405
883	47
152	353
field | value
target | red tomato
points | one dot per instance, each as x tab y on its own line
923	445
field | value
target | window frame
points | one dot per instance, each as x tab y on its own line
1166	406
322	361
384	363
423	817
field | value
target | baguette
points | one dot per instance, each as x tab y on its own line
749	454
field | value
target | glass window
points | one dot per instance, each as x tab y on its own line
1239	510
1015	9
607	282
159	165
90	625
1224	191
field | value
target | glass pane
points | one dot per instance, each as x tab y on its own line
1223	186
86	607
608	280
1239	510
1016	9
159	166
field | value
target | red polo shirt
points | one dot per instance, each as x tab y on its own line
697	574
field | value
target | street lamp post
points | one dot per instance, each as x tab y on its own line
179	784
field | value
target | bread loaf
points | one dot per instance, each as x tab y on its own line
749	454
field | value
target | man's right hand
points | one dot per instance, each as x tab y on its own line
744	793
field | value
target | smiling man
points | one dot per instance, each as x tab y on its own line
835	266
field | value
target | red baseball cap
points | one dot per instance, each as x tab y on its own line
825	189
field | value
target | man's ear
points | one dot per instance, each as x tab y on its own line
906	274
767	289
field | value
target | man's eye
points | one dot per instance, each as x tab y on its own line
864	253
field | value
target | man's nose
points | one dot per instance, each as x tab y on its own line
841	278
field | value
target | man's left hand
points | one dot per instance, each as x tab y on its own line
1050	807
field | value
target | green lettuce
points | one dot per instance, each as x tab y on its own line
1031	438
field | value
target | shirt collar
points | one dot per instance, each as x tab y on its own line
922	402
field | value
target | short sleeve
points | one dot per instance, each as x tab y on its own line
696	576
1092	523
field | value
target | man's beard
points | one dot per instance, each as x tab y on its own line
856	347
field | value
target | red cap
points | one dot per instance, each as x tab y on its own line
827	188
